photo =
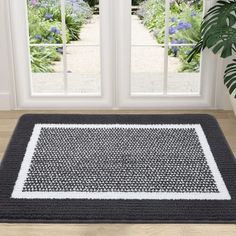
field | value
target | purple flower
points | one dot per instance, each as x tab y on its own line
178	41
55	30
181	41
173	19
78	8
48	16
172	1
38	36
174	41
50	38
175	50
181	26
172	30
60	50
184	25
188	25
193	13
34	2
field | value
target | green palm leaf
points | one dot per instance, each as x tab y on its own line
217	31
230	77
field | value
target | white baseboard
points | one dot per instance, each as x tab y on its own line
5	101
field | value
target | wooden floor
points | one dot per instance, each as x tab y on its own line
8	120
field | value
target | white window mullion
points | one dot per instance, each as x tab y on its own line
166	42
63	22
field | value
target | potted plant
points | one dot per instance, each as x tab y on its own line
218	33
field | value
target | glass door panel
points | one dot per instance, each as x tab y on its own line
46	77
183	33
147	70
147	55
163	33
84	69
63	53
64	40
76	53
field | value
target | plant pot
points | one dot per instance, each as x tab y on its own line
233	102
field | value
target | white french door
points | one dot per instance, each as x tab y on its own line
148	76
82	63
115	64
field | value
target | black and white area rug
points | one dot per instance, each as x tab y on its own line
118	168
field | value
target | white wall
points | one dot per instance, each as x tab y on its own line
6	71
222	94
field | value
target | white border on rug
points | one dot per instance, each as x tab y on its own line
223	193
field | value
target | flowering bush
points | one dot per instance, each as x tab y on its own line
44	17
184	26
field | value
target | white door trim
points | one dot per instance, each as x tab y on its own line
206	98
212	99
26	100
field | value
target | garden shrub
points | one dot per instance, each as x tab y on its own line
42	58
184	26
44	17
136	2
92	3
152	14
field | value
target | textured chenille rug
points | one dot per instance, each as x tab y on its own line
118	168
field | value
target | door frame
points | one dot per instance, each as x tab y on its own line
209	63
25	98
116	67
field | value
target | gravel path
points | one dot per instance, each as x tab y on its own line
147	65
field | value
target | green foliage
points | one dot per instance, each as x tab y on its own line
191	34
136	2
217	30
74	25
187	35
44	17
40	28
184	26
42	59
218	33
92	3
194	65
230	77
152	14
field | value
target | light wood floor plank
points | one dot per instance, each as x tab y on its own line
117	230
